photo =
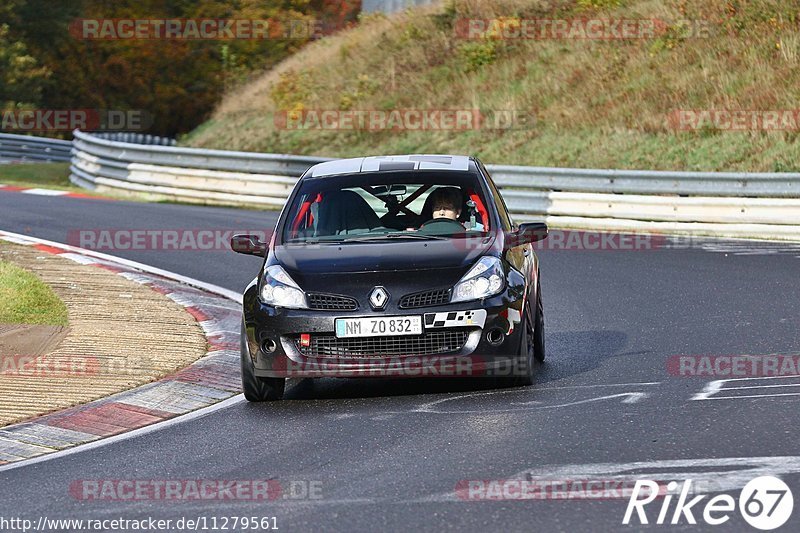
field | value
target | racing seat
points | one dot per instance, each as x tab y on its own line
344	213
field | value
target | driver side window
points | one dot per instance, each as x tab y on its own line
500	204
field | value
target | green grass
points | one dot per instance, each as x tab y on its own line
44	175
597	103
25	299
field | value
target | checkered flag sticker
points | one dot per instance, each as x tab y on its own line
454	319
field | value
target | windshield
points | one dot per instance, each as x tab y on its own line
381	206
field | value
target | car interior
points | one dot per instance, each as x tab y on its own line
384	209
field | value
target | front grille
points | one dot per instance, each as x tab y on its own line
331	302
425	299
431	343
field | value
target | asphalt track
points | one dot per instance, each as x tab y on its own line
389	454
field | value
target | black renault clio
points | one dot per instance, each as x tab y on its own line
393	266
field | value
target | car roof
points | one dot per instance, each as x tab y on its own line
387	163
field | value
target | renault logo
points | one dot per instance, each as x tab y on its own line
378	298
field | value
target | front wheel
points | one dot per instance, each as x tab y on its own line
255	388
524	368
538	333
531	349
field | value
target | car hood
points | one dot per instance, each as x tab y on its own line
382	256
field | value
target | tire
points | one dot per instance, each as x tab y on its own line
538	333
525	364
532	347
258	389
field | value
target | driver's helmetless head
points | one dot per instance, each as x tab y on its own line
446	203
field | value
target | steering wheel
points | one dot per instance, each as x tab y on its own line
443	224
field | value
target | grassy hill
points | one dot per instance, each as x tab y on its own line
596	103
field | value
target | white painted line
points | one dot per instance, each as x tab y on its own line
230	402
44	192
232	295
761	386
15	240
543	389
630	397
516	407
711	388
761	377
717	386
716	474
750	396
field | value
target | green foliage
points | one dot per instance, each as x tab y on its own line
599	4
21	76
25	299
176	82
784	166
476	54
292	91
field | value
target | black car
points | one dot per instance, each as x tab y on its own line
393	266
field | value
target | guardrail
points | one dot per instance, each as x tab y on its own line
136	138
186	174
722	204
28	148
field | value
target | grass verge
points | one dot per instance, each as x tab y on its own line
44	175
25	299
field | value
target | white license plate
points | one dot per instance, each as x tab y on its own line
378	326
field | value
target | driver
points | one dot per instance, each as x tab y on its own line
446	202
446	205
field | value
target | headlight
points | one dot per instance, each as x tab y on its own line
483	280
280	290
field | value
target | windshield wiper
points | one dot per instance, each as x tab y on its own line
315	240
398	236
367	238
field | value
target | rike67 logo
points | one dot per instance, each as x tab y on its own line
765	503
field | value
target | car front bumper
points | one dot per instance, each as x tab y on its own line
491	345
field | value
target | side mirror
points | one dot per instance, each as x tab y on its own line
527	234
248	244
